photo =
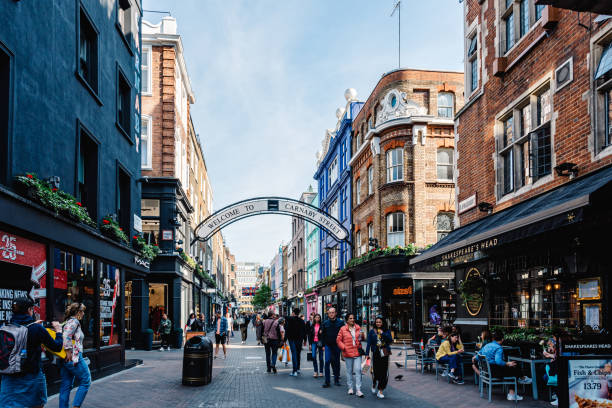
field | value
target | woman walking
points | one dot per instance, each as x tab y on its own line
349	342
258	325
74	366
316	344
379	344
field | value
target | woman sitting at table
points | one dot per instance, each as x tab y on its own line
433	342
494	353
483	340
450	353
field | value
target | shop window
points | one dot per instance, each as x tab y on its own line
395	229
87	59
124	98
5	109
444	222
446	103
74	282
603	98
358	191
158	305
109	305
395	165
87	177
444	164
146	148
124	200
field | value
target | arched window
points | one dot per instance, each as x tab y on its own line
444	224
445	163
395	164
395	229
446	103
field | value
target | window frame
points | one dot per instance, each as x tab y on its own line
332	171
396	231
6	133
391	165
82	130
518	9
149	60
451	106
601	89
92	88
149	137
358	190
127	130
126	34
446	165
370	180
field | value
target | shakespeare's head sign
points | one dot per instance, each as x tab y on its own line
271	205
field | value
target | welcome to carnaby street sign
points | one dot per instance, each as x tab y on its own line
269	205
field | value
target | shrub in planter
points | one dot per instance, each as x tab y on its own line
111	229
147	251
189	260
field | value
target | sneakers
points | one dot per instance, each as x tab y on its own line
554	403
374	390
525	380
359	394
380	395
350	391
294	374
298	372
458	381
444	373
161	349
452	376
326	385
514	397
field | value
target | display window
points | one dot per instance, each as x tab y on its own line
109	305
158	305
438	303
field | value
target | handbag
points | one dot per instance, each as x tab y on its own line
308	356
264	339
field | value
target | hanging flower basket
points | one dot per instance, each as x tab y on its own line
147	251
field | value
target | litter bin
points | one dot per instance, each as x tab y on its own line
147	339
197	361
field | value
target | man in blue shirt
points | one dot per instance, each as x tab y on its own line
330	330
494	353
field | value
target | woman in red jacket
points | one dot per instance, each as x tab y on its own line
349	341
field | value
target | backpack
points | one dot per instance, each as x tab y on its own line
13	348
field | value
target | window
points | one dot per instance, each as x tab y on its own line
445	104
395	165
525	147
146	155
444	224
124	20
333	209
472	58
88	51
150	220
145	68
358	191
5	109
524	14
509	28
445	163
358	141
358	243
370	180
124	200
87	174
124	98
527	14
370	231
539	8
395	229
333	171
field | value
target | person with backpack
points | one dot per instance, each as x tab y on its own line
23	382
74	366
243	323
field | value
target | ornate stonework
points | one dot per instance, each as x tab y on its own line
395	105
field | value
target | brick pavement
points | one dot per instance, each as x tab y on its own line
241	381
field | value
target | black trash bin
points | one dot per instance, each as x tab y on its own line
197	361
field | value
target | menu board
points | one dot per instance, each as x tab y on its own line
590	382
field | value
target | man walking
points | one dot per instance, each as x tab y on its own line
221	331
331	327
271	337
295	332
243	323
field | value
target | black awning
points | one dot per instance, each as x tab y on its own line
541	213
593	6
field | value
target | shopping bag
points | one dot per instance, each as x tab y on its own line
62	353
365	366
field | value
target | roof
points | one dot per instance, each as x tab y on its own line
569	196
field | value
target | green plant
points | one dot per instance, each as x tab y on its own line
53	199
408	250
472	289
111	229
189	260
205	276
147	251
262	297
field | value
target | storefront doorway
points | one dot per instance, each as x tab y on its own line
158	304
435	302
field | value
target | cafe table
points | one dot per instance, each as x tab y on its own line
532	362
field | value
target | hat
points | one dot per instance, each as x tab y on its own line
22	303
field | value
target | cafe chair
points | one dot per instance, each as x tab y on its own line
422	359
444	368
485	378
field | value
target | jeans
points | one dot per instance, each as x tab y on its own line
26	390
271	353
319	367
353	366
332	356
69	372
296	350
165	340
453	362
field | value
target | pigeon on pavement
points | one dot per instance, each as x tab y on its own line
399	377
398	365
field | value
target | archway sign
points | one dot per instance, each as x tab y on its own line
269	205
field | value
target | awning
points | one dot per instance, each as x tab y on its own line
605	63
593	6
541	213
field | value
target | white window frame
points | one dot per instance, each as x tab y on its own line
395	235
147	65
446	165
370	180
602	144
333	209
391	164
148	137
358	190
358	243
333	171
451	106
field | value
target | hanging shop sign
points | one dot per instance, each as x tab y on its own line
137	223
472	291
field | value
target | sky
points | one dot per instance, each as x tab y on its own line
268	76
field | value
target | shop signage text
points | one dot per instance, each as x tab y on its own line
470	249
402	291
137	223
141	262
467	204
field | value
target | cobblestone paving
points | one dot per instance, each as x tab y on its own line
241	381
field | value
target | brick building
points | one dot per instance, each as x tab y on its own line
402	175
533	155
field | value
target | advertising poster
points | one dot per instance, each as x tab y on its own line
590	383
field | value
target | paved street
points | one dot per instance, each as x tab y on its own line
241	381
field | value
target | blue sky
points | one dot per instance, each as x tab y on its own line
269	75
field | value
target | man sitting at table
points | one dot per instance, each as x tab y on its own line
450	353
494	353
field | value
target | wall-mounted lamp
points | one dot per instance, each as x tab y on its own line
567	169
175	222
485	207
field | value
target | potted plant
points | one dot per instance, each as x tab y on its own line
147	251
112	230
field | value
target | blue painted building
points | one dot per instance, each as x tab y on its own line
334	184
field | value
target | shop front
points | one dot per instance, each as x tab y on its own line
311	303
434	302
537	267
337	294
